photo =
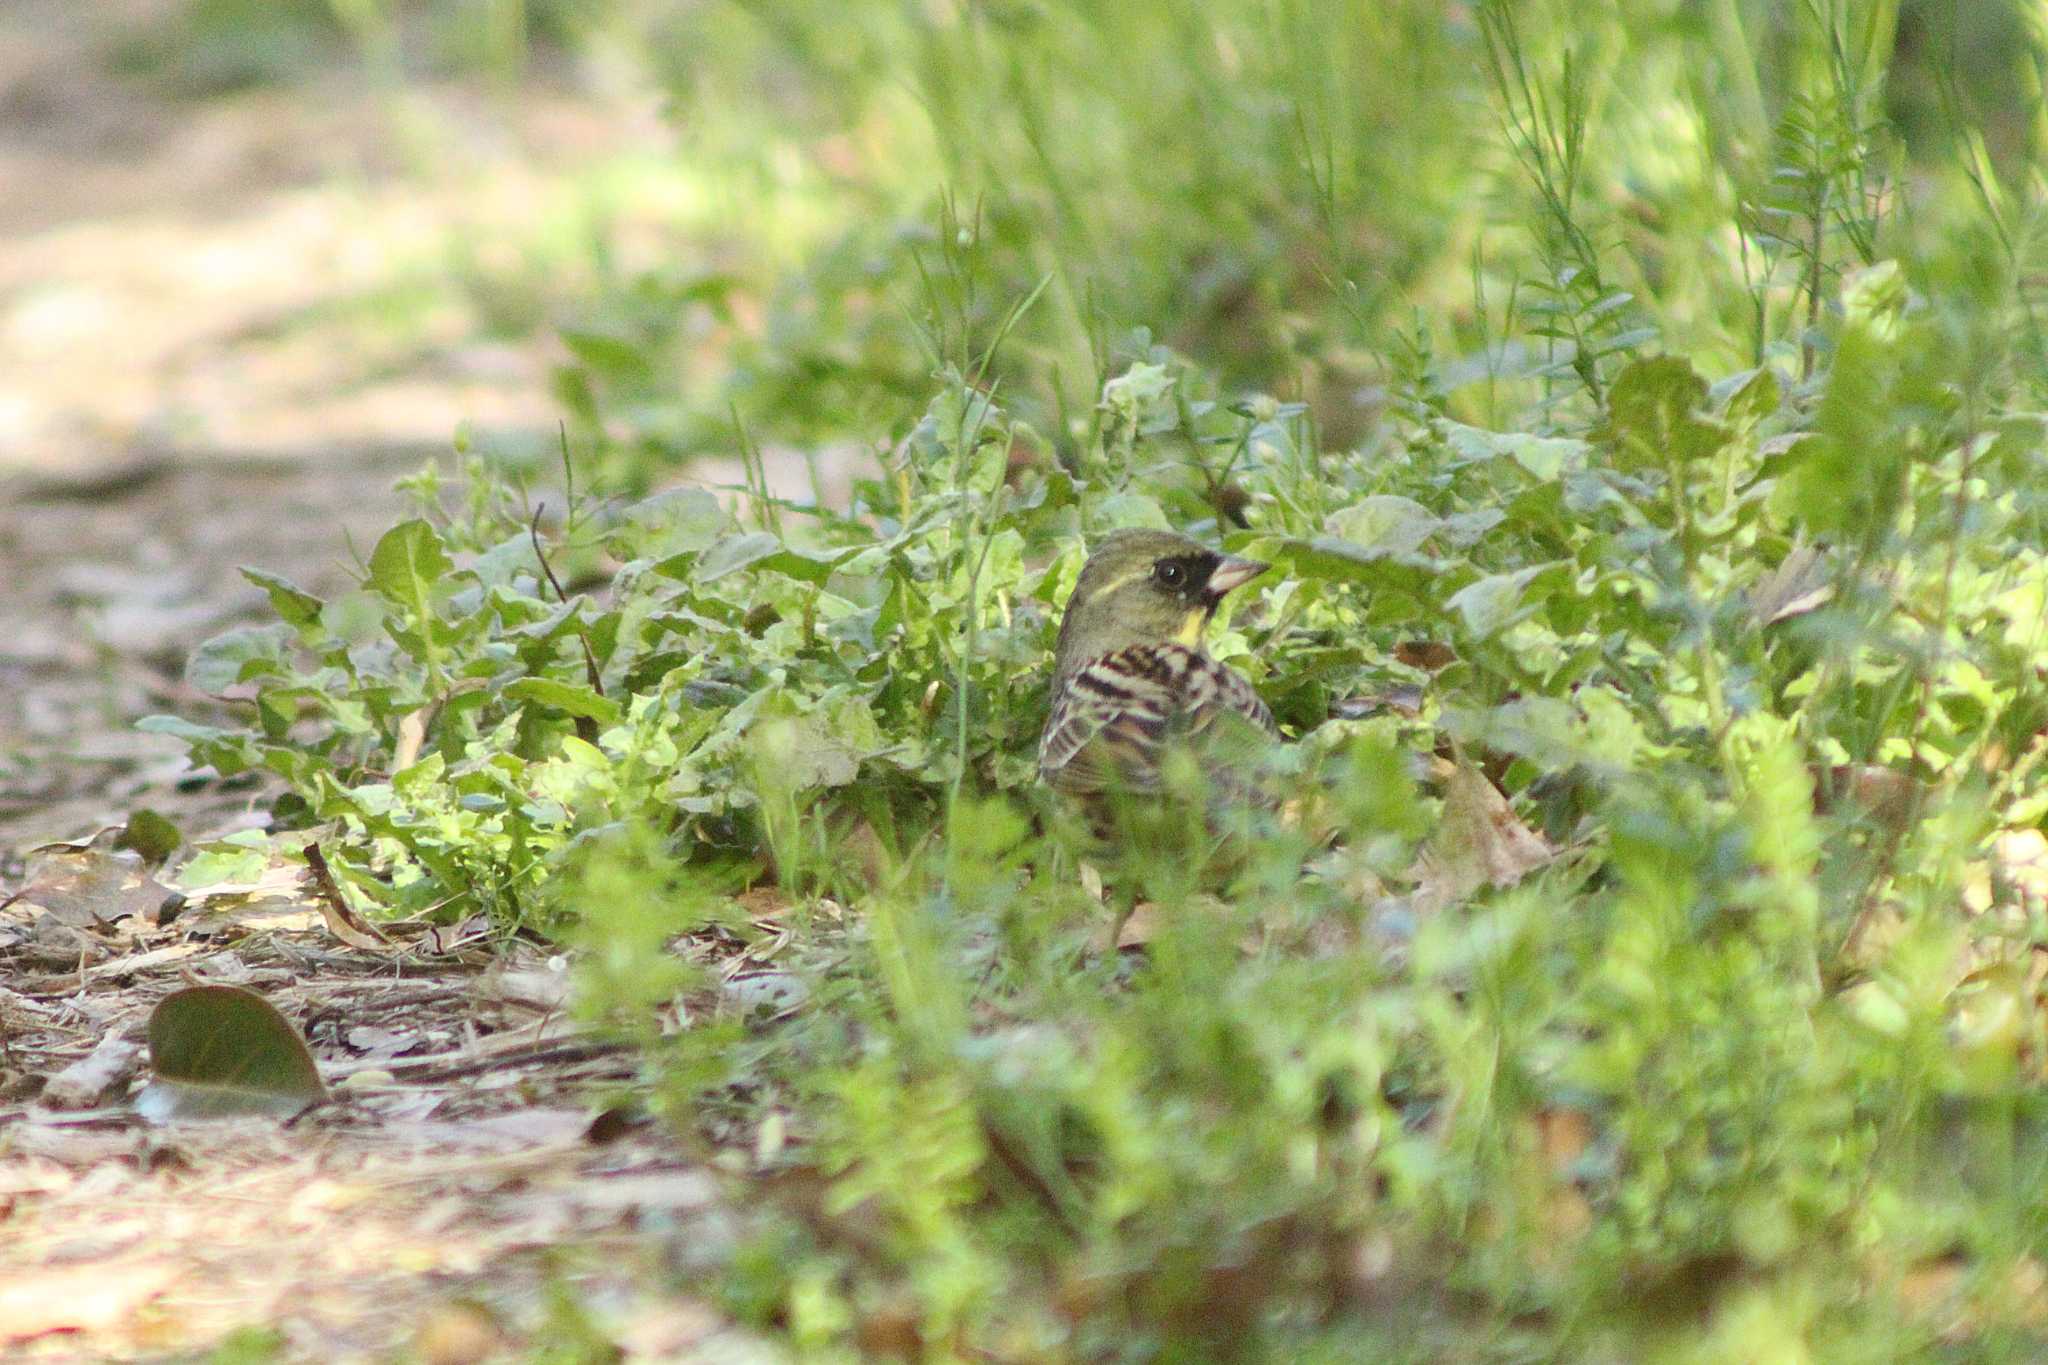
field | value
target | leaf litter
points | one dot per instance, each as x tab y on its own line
458	1148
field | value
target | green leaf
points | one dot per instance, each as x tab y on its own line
228	751
678	521
731	555
1847	479
1545	457
611	356
1755	395
240	858
823	747
1653	415
287	598
222	1050
1385	523
1120	510
1492	604
150	835
408	562
803	565
575	699
1342	562
238	655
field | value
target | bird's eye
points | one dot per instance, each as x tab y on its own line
1171	573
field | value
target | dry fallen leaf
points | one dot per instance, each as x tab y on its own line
1140	927
1428	655
1480	841
1799	585
461	1332
83	885
84	1083
342	921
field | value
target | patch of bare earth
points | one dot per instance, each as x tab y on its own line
182	391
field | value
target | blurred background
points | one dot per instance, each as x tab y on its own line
280	226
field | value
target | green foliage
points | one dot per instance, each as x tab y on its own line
1703	524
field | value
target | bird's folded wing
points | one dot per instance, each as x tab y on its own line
1113	717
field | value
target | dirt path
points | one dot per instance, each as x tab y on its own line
224	330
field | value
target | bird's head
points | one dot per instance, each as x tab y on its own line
1146	587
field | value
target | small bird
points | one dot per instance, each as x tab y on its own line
1130	678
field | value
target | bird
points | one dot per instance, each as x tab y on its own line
1131	680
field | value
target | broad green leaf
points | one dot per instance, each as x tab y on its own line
1546	457
502	564
1119	510
1138	402
240	858
219	1051
287	598
1385	523
229	751
408	562
804	566
1653	415
150	835
238	655
1492	604
797	751
611	356
1342	562
575	699
677	521
731	555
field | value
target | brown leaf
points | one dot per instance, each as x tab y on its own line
763	902
1565	1135
84	885
84	1083
461	1332
1480	841
1797	586
1886	795
449	938
1427	655
412	736
1403	699
342	921
1141	926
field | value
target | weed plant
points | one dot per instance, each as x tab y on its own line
1706	527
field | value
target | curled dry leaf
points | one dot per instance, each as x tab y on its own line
1885	795
342	921
1430	656
87	884
1800	584
1480	841
1403	699
84	1083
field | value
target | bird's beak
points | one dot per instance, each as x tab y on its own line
1233	572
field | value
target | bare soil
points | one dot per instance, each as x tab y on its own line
185	386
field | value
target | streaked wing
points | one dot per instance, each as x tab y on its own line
1113	717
